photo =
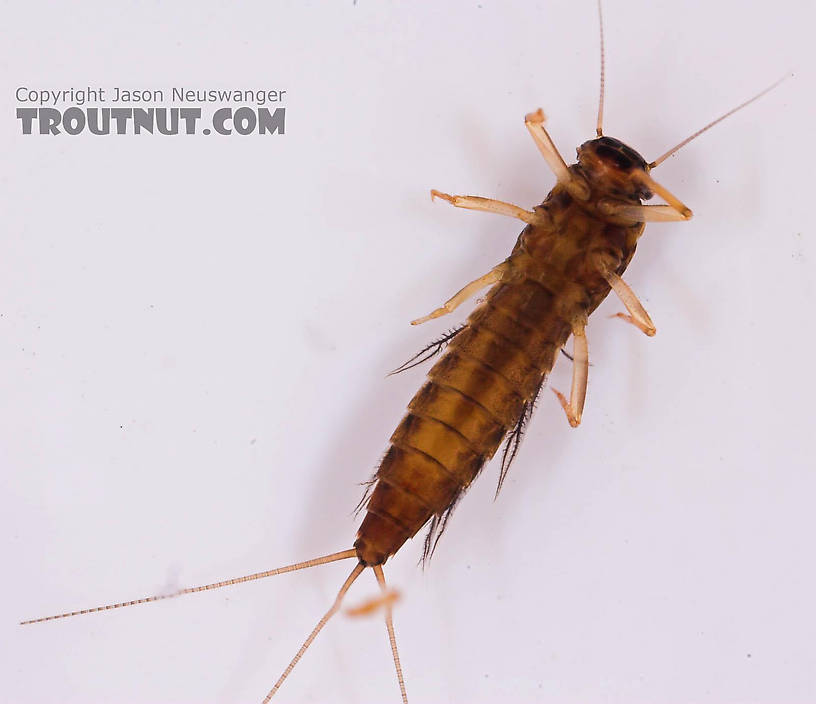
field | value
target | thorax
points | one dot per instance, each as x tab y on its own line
564	254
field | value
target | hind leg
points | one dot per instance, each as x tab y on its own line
496	274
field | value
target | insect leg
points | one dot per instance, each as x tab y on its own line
637	313
644	213
491	277
675	210
577	187
580	371
489	205
389	624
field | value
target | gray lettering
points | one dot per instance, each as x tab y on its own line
161	120
244	120
219	118
93	120
190	117
26	116
276	122
121	115
73	121
142	119
49	119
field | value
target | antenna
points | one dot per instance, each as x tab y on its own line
671	151
599	127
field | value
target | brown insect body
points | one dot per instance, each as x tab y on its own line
569	257
477	391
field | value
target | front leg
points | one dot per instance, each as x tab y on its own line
674	211
576	185
631	214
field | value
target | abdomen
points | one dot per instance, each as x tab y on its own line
456	421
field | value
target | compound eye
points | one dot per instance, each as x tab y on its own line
620	160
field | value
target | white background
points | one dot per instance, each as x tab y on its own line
194	333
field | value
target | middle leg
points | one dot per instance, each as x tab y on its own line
489	205
574	408
637	314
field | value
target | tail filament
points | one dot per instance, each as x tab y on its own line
356	572
344	555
